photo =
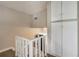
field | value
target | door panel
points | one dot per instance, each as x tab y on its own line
55	10
56	37
70	39
69	10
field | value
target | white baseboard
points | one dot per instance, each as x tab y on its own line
7	49
13	48
52	53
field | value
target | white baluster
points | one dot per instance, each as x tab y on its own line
30	49
36	48
19	46
43	46
16	47
26	48
22	48
46	45
39	46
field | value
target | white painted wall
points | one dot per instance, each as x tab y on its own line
9	20
41	19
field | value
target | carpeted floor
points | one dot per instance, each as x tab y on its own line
10	53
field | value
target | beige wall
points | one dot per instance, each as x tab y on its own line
9	20
13	23
41	21
5	40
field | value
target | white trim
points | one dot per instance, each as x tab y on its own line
51	53
13	48
7	49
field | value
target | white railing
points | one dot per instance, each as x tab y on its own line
31	48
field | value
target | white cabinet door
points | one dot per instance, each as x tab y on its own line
49	27
55	10
56	37
70	39
69	10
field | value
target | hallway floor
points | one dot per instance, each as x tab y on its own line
10	53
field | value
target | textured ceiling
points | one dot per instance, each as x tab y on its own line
30	7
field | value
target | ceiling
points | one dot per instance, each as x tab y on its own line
29	7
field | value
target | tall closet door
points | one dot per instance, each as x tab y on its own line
55	10
70	39
56	37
